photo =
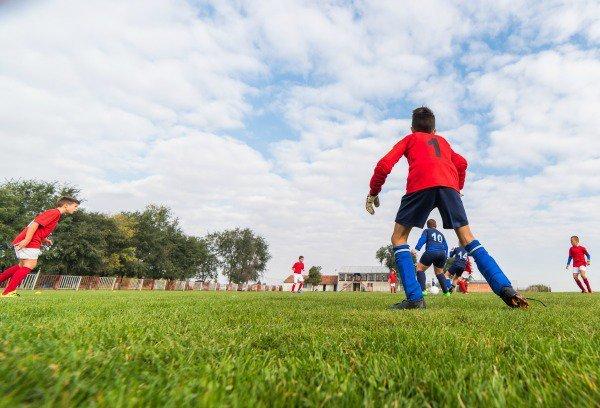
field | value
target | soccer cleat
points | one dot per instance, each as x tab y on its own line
11	295
512	298
409	304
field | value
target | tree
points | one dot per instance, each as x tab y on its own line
314	276
385	256
241	255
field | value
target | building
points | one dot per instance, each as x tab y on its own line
329	283
363	279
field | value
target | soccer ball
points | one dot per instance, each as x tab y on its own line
434	290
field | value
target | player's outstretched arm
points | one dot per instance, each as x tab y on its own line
569	259
422	241
382	170
461	167
31	229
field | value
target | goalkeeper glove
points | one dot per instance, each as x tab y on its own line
372	201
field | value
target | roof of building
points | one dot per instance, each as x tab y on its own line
325	279
363	269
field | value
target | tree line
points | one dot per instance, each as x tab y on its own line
148	243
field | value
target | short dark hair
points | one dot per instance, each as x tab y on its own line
431	223
423	120
301	256
67	200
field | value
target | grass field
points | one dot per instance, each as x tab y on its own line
278	349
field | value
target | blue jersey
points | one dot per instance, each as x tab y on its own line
433	240
460	257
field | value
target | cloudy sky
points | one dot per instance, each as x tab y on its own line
272	115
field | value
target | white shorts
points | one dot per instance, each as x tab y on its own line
581	268
28	253
465	275
298	278
392	285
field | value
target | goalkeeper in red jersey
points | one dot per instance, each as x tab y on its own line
436	175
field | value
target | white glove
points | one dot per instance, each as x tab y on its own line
372	201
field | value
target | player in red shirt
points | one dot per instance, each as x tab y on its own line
393	280
578	255
436	175
28	242
297	270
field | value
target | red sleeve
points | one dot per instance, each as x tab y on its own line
585	252
461	166
385	166
47	217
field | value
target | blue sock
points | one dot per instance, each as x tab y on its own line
422	279
488	267
406	270
442	280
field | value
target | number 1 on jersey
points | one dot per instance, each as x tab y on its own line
436	146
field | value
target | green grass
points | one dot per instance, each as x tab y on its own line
177	349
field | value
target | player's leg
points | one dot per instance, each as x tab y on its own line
454	216
583	274
25	266
422	266
8	272
404	263
439	274
413	212
301	278
438	268
578	282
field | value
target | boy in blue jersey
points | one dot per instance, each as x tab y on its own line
436	253
460	258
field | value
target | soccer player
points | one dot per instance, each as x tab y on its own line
393	280
436	253
298	268
436	175
28	242
578	255
460	258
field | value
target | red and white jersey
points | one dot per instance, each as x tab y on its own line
578	253
392	277
298	267
48	221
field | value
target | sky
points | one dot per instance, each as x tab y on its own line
272	115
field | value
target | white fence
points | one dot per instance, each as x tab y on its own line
37	281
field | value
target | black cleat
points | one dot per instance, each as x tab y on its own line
409	304
513	299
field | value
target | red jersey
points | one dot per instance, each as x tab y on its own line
431	163
48	221
578	254
298	267
392	277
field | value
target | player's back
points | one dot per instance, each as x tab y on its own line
436	242
432	163
460	256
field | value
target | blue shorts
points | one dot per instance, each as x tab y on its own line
456	270
438	259
416	207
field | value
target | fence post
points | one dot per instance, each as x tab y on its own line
114	283
141	284
78	283
37	275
